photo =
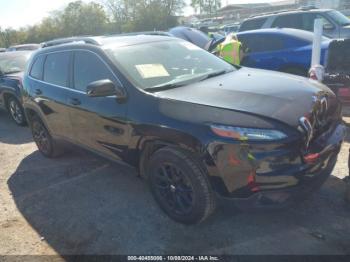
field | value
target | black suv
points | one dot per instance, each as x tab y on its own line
195	126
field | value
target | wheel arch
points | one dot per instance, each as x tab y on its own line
31	112
147	145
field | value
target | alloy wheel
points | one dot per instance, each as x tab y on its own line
41	137
175	188
16	111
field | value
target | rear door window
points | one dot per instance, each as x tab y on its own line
308	21
252	24
56	68
88	68
288	21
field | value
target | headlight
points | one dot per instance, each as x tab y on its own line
242	133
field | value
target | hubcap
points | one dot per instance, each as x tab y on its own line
174	188
16	112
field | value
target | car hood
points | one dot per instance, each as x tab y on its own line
279	96
17	75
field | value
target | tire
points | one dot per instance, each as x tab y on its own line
180	186
44	141
16	111
295	71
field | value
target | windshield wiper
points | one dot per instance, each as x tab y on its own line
163	87
172	84
214	74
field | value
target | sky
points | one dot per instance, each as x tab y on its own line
21	13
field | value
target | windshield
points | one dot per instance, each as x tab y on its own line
13	62
339	18
175	62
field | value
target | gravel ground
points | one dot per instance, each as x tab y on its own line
80	204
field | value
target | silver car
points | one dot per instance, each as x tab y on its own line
335	24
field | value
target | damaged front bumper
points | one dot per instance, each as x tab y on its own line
273	175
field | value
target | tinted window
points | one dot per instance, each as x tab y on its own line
88	68
37	68
339	18
252	24
288	21
56	68
308	21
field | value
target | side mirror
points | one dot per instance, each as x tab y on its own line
103	88
328	27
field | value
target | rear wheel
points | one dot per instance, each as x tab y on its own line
16	111
180	186
44	141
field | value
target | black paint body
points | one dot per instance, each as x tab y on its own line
10	85
120	130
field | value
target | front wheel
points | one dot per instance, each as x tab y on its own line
180	186
16	111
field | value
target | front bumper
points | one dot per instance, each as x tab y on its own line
261	175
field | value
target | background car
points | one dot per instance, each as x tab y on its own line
24	47
230	28
286	50
12	65
335	24
191	35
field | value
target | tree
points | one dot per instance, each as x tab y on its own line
79	18
10	36
139	15
197	5
206	6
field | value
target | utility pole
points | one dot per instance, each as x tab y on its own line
316	44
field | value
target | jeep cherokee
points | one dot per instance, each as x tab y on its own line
195	126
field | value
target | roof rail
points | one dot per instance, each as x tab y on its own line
273	12
303	8
61	41
307	7
161	33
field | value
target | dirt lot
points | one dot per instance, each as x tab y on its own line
80	204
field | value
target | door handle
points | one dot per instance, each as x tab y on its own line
74	101
38	91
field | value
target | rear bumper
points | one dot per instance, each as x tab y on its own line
280	174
